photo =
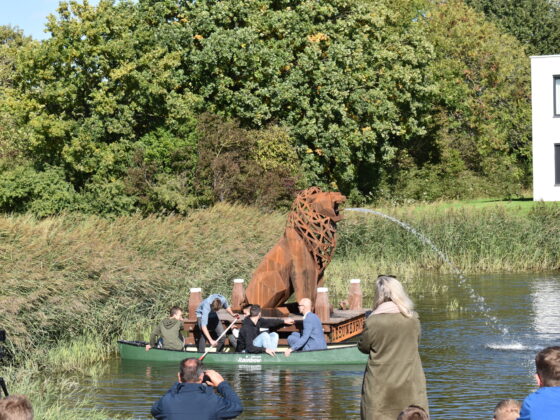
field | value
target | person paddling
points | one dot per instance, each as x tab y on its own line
209	323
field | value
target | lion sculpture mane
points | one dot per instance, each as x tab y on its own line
298	260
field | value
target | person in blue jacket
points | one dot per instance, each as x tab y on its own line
544	403
209	323
312	337
192	399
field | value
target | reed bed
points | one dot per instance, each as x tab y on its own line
59	397
71	285
69	276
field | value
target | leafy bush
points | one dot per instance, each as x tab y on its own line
237	165
44	193
434	182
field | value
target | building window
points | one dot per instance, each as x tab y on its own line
557	164
557	96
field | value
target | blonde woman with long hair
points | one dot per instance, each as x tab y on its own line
394	378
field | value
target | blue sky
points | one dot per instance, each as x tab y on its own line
29	15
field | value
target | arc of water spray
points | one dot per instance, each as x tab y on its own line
463	282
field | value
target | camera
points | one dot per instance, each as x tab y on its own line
3	387
2	339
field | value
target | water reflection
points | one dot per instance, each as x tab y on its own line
130	388
469	367
285	389
545	300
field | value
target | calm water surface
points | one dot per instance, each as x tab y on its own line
469	366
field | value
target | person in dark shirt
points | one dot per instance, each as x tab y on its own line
254	336
193	397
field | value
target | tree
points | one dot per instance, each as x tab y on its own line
349	80
12	41
105	78
535	23
355	95
482	120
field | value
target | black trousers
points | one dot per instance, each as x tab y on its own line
215	328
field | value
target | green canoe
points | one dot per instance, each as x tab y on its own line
336	354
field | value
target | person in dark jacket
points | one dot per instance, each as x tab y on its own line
192	399
254	336
169	331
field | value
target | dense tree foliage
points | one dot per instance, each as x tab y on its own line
350	81
536	23
12	41
168	105
482	120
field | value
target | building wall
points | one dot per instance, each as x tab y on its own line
546	127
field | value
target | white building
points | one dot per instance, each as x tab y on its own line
545	87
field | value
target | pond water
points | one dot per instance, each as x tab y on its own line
469	365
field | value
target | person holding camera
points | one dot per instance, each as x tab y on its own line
193	397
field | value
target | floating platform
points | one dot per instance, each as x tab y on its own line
342	325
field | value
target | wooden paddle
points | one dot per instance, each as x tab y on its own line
218	339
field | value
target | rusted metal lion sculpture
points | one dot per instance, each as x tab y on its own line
297	262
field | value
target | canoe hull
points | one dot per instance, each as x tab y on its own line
336	355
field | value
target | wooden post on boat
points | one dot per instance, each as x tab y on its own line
322	304
195	298
355	295
237	294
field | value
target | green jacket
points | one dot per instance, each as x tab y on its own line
394	378
170	331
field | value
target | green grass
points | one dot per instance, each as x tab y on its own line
72	285
518	206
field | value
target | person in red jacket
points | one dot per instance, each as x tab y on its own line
193	397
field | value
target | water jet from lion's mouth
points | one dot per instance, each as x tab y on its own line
478	300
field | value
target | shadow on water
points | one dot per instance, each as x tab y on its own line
478	300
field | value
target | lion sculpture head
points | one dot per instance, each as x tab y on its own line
314	215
